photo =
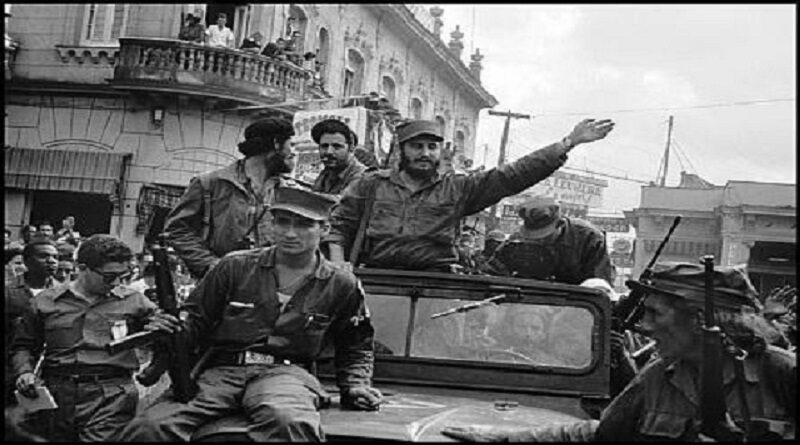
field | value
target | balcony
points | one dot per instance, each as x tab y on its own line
175	66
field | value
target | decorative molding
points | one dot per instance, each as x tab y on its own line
96	54
393	67
358	40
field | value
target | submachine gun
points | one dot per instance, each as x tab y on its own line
714	423
178	358
629	310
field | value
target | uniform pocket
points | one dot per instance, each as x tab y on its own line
386	218
665	425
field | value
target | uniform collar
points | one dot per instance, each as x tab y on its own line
323	271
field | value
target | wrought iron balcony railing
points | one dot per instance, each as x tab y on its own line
165	64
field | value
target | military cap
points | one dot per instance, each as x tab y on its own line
412	129
732	287
308	204
269	128
540	214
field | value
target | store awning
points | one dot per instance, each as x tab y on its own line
64	170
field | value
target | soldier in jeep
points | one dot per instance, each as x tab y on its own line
664	401
266	315
226	209
411	215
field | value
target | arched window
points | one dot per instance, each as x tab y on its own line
460	141
442	125
416	108
353	73
388	89
323	53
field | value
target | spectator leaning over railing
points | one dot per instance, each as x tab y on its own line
253	43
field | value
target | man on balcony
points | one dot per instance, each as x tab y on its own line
226	209
218	35
411	214
336	143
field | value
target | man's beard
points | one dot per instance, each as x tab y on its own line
417	173
336	166
278	164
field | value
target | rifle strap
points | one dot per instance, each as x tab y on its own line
358	243
738	370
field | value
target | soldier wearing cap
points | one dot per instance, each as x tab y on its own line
336	143
266	314
226	209
414	211
549	246
663	400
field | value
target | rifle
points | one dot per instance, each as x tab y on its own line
179	365
630	309
712	403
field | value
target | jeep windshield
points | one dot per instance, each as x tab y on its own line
511	332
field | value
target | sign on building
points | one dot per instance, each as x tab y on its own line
609	224
571	189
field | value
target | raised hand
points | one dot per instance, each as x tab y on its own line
590	130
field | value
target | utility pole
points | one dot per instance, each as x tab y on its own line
503	141
666	153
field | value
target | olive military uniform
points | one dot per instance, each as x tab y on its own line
234	309
94	391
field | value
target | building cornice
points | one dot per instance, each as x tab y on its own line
456	67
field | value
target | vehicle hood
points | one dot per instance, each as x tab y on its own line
422	417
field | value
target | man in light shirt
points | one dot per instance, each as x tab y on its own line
218	35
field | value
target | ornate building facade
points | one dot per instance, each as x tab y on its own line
750	223
108	116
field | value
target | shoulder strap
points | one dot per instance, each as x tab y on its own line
355	249
206	226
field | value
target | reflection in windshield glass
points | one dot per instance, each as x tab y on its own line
506	333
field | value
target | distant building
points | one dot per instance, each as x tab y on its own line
108	116
752	223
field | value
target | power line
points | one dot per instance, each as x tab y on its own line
690	107
624	178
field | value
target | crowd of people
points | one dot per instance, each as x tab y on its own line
219	35
273	261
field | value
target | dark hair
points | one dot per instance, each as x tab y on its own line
259	136
12	251
45	223
101	249
36	240
222	15
333	126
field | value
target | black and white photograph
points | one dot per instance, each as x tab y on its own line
400	222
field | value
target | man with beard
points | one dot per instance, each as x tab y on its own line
412	214
226	209
336	142
552	247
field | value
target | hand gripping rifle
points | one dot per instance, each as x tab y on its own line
631	308
713	410
178	365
